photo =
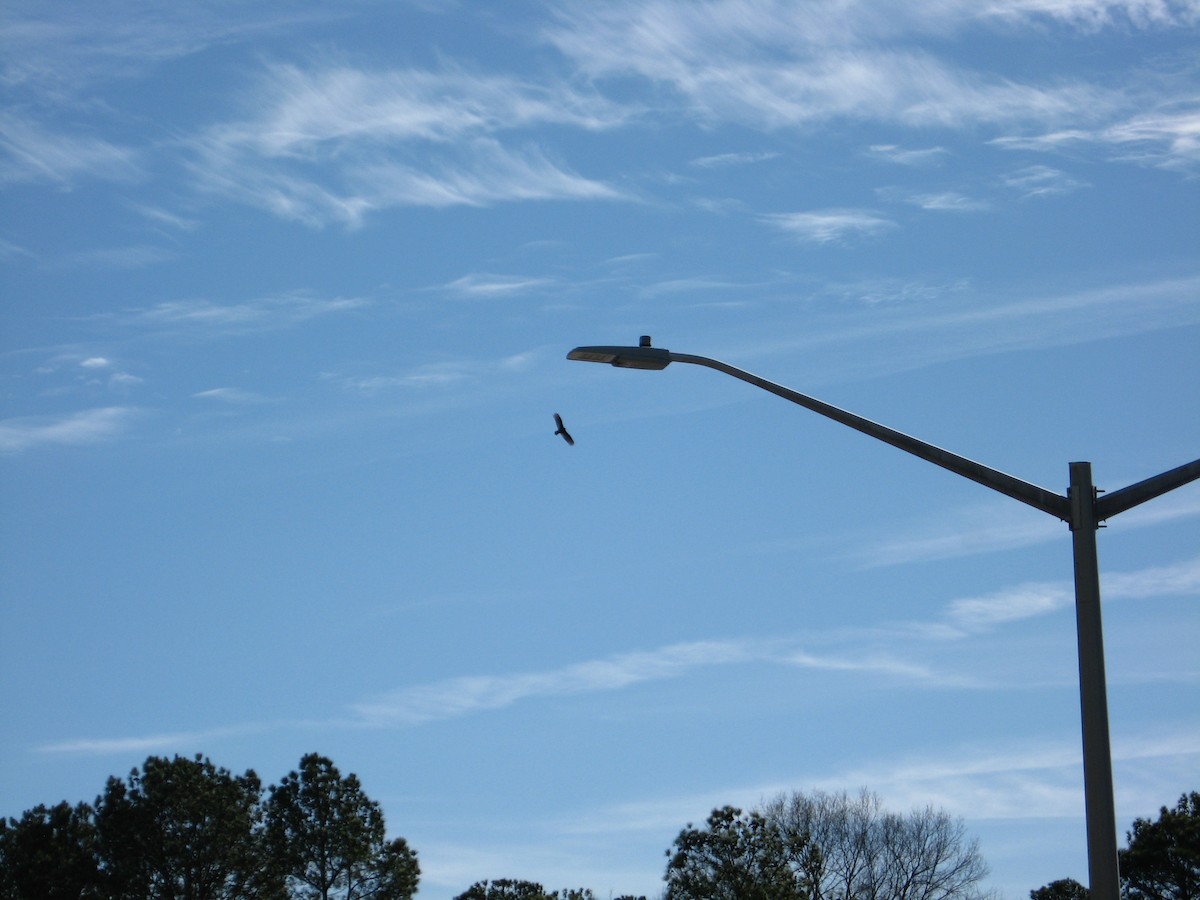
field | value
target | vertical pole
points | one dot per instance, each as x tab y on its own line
1103	875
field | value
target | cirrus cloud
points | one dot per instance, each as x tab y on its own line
335	143
826	226
85	427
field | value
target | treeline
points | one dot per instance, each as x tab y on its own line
188	830
184	829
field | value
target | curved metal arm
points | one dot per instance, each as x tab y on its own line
1037	497
646	356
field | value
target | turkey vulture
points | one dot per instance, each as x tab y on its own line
563	431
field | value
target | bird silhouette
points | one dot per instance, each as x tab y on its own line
563	431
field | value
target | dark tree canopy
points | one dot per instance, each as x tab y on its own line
1063	889
328	839
736	856
50	853
182	828
1162	861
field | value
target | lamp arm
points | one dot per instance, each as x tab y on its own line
1038	497
1128	497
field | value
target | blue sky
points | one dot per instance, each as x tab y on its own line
288	290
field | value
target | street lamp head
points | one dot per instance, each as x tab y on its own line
644	356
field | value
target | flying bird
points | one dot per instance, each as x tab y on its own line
563	431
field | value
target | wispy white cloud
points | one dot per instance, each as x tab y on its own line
689	286
674	27
1043	142
778	64
59	57
260	314
722	160
961	618
826	226
478	172
1096	14
1042	181
86	427
1181	579
972	615
122	381
173	220
908	157
984	528
235	396
519	362
436	375
150	743
486	285
334	143
772	65
1168	138
871	663
461	696
430	376
10	251
948	201
1001	525
30	152
630	258
953	325
976	615
895	291
305	109
1180	504
939	201
1111	310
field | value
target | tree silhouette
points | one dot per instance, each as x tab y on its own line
736	857
1162	861
50	853
182	829
327	838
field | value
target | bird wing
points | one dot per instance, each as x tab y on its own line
563	431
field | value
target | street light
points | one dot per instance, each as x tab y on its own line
1081	508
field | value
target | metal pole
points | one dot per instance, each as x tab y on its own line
1103	875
